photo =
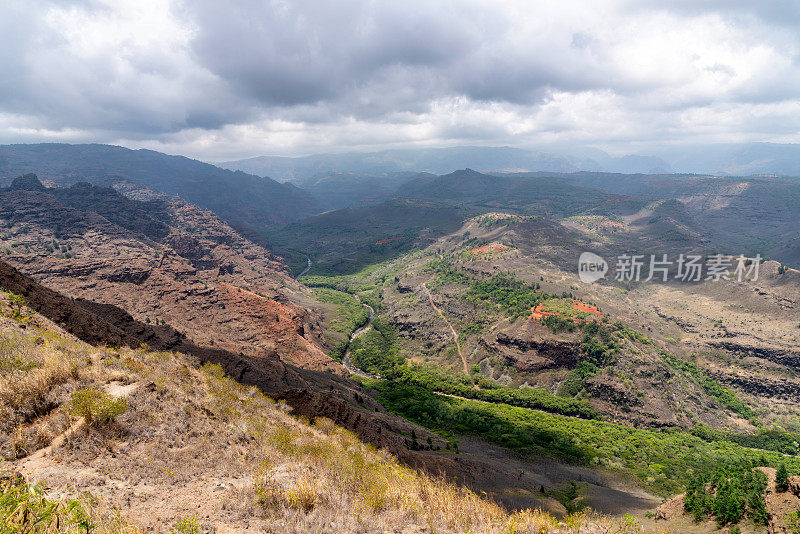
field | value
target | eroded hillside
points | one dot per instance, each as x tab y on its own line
165	262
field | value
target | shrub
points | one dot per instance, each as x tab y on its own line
728	492
96	406
782	478
793	521
24	508
16	302
187	525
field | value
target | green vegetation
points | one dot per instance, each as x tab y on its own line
782	478
664	460
376	350
598	350
25	509
793	520
435	379
633	335
96	406
187	525
358	284
514	297
376	353
723	395
728	493
353	315
768	440
16	303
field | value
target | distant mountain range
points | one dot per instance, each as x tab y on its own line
723	159
243	200
441	161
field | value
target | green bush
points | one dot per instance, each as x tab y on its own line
25	509
187	525
768	440
728	492
96	406
793	520
782	478
17	303
664	460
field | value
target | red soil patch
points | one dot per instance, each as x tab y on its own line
491	247
580	306
540	311
384	241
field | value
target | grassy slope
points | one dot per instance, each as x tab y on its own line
195	449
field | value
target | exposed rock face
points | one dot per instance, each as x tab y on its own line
611	391
776	355
794	485
162	261
761	386
537	353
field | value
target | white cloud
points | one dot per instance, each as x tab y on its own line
221	80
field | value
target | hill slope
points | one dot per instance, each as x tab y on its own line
161	261
347	239
243	200
546	196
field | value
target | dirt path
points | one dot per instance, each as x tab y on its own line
453	330
40	460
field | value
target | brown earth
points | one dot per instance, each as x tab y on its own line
743	334
507	478
163	261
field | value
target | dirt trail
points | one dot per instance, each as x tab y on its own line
39	460
453	330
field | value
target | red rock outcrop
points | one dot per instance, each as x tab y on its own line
164	262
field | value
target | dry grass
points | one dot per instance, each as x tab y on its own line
196	444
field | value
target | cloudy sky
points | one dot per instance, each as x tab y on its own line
224	80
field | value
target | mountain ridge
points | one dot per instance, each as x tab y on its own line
243	200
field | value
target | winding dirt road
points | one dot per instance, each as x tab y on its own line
453	330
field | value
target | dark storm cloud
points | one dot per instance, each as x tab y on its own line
288	53
357	51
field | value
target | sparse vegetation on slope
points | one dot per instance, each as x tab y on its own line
725	396
203	443
662	459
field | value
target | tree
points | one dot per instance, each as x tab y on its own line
17	302
782	478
